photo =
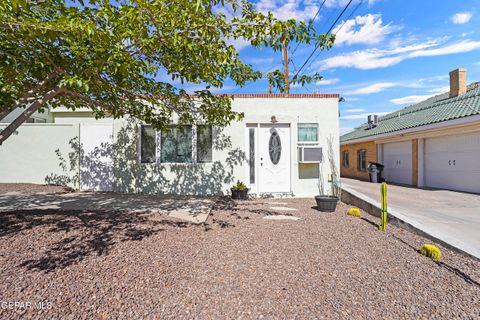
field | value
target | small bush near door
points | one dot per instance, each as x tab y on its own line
239	191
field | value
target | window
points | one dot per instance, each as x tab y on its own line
148	144
251	162
179	144
274	147
362	160
346	160
204	143
307	132
176	144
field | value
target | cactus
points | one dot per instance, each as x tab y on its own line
354	212
431	251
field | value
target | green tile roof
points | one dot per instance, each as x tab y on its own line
433	110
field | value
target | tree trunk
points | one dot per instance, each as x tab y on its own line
7	132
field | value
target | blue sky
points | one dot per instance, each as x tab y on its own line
388	55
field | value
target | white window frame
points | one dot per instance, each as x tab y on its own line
158	146
308	124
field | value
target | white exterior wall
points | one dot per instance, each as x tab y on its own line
31	155
228	165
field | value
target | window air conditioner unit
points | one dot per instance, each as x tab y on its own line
309	154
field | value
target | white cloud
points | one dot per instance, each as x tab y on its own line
381	58
373	88
355	110
410	99
462	46
440	90
368	29
290	9
461	17
325	82
239	43
343	3
363	115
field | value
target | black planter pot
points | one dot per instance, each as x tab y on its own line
240	194
326	203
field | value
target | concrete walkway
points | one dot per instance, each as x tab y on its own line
452	217
191	209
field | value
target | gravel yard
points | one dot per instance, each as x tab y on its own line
106	265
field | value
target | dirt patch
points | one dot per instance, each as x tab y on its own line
238	265
33	188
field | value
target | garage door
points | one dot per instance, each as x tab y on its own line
397	159
452	162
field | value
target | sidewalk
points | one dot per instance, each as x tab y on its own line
452	217
188	208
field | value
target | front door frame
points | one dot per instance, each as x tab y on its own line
255	187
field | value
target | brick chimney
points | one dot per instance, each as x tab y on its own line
458	82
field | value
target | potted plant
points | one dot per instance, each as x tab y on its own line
325	202
239	191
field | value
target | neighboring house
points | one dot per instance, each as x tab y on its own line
434	143
276	150
37	117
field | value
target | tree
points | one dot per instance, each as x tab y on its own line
123	58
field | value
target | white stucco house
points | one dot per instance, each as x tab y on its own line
279	148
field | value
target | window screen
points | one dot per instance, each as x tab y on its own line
148	144
176	145
204	143
307	132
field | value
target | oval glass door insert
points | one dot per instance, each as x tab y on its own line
275	147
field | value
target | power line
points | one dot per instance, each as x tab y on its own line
310	23
318	45
344	22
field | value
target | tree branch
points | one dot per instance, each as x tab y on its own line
86	99
10	129
33	91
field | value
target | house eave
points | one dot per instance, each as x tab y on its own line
433	126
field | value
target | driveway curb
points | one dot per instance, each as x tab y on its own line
369	205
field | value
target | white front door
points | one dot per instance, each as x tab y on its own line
451	162
274	158
96	162
397	159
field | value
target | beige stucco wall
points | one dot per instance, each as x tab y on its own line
33	154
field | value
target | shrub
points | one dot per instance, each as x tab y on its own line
431	251
239	186
354	212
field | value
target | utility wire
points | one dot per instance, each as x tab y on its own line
310	24
318	45
349	16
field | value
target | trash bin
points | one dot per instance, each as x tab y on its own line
375	171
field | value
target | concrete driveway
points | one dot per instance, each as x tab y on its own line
188	208
453	217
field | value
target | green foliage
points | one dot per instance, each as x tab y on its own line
431	251
123	58
239	186
354	212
